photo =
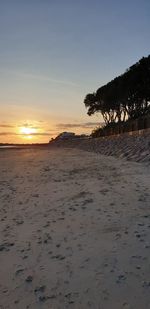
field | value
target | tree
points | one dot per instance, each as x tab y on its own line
125	97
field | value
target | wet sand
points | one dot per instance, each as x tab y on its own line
74	230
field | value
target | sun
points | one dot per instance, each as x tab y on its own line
27	130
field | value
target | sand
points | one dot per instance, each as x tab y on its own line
74	230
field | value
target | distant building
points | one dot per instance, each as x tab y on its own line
68	136
65	135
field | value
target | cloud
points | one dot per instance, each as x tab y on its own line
42	78
84	125
21	134
39	134
34	125
6	126
29	125
7	133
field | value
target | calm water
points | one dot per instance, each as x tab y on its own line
4	147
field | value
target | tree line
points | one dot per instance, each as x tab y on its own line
125	97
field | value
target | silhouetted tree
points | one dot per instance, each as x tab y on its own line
125	97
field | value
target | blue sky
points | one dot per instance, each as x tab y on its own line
52	53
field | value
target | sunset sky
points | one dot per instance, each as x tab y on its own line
54	52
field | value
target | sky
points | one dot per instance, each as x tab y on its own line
54	52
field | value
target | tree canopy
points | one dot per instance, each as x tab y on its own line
125	97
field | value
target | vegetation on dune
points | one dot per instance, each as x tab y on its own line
124	99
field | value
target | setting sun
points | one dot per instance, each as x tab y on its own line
27	130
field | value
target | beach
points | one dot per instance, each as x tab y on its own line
74	230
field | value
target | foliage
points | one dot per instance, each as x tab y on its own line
122	127
124	98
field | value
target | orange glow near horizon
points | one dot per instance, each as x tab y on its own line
37	131
28	137
27	130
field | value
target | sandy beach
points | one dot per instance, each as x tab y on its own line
74	230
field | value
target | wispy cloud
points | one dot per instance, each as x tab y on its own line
21	134
42	78
6	125
84	125
29	125
7	133
41	134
